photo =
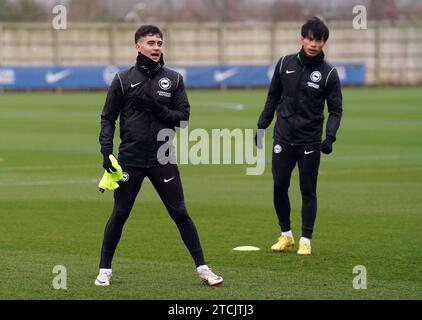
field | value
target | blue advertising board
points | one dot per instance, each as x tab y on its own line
97	77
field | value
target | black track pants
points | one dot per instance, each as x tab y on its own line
284	160
166	181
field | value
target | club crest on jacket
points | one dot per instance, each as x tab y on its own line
164	83
125	177
316	76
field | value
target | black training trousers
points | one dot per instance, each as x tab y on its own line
284	160
166	180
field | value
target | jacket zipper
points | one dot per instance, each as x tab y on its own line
296	96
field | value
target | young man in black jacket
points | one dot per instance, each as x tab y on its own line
301	84
148	98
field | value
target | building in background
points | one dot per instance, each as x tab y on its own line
212	42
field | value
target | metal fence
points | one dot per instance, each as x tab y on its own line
390	52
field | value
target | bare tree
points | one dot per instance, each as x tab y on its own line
22	10
234	10
93	10
383	9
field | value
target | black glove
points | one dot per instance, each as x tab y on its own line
258	139
107	164
327	145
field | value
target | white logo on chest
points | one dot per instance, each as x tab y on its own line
164	83
316	76
126	177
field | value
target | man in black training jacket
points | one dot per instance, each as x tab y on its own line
148	97
301	84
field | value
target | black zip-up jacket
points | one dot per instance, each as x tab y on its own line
297	93
139	127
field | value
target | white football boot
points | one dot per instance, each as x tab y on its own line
208	277
103	278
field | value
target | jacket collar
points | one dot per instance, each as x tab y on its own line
307	61
148	66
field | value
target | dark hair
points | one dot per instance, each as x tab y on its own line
317	28
146	30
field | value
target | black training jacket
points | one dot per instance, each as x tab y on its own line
297	94
139	128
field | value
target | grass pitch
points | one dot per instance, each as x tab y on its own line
369	209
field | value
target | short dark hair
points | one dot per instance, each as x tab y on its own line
317	28
146	30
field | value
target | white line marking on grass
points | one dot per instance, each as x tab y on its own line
366	158
44	168
383	170
376	157
47	183
225	105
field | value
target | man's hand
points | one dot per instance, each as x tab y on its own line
259	137
327	145
107	164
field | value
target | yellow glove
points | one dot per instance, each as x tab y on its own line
110	179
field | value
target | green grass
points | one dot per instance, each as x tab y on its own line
369	210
